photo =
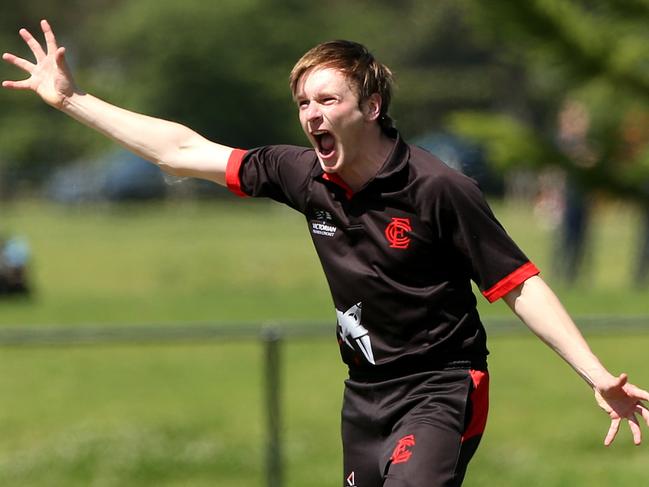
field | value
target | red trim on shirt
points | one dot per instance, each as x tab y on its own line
334	178
232	172
479	403
505	285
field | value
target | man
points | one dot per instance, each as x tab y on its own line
400	236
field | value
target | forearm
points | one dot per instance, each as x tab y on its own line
175	148
539	308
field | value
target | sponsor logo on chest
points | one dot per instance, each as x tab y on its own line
397	233
323	224
324	229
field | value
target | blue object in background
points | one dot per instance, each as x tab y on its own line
120	176
14	260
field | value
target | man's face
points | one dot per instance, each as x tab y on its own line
331	117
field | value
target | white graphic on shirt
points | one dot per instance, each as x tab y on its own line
323	229
323	215
350	480
324	224
350	327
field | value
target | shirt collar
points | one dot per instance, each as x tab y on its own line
397	159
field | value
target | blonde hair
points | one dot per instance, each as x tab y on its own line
354	60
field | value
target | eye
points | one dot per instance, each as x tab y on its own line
302	104
329	100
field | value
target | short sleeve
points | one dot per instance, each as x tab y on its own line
279	172
497	265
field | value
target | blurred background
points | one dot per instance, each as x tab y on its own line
545	103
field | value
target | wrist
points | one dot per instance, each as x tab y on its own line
70	102
599	378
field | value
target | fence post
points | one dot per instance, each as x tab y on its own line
271	337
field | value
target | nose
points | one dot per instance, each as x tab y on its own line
313	113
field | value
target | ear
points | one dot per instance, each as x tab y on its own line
372	107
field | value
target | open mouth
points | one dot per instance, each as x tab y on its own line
325	142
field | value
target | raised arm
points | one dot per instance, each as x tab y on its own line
540	309
177	149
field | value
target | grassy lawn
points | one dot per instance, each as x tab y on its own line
240	261
192	414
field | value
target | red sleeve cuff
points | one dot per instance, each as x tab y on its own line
507	284
232	179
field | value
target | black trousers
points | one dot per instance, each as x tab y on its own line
420	430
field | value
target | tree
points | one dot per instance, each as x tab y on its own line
222	67
569	50
572	53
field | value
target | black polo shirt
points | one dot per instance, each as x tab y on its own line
399	255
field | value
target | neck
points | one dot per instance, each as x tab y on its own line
372	154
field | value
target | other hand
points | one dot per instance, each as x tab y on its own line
623	401
50	76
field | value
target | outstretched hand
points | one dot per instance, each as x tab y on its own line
623	401
50	76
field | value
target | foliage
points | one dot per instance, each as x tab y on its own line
222	67
571	52
505	69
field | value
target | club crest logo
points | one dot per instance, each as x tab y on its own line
397	233
402	451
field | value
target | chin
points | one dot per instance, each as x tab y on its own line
330	169
330	166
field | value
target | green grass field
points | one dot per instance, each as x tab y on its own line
192	414
243	261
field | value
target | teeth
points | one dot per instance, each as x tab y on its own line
319	132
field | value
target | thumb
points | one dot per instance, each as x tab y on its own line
615	384
622	379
